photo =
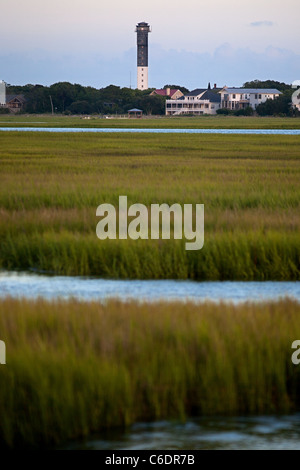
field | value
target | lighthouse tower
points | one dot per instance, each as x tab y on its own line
2	93
142	30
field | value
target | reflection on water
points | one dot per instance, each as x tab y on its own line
229	433
49	287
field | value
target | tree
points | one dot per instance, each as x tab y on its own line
63	94
248	111
280	105
80	107
150	104
281	86
37	100
224	111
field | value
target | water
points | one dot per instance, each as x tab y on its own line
156	131
217	433
32	285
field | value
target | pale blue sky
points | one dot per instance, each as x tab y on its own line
93	42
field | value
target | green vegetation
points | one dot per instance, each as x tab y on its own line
160	122
68	98
281	106
240	112
281	86
76	368
51	185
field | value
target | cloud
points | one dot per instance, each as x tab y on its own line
258	24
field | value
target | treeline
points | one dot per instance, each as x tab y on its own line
67	98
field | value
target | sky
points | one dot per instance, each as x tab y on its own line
193	42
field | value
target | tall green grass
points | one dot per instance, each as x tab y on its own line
237	256
51	185
74	368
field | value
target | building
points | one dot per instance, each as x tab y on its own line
15	102
172	93
142	30
240	98
197	102
2	93
296	95
296	100
135	113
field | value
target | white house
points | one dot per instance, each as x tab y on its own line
240	98
296	95
197	102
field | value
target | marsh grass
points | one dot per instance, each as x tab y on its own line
51	185
231	256
185	122
74	368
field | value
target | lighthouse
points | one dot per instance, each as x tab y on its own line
142	30
2	93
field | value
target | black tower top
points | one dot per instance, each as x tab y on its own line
142	30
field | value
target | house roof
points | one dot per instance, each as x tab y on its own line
266	91
196	92
12	97
211	96
135	110
164	92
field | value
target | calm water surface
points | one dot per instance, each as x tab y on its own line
156	131
32	285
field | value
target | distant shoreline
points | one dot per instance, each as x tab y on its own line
160	122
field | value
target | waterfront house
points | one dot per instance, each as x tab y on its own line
240	98
197	102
